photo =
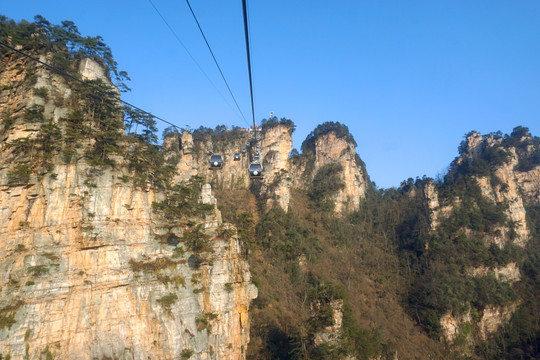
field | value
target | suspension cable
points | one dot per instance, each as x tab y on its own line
215	60
107	93
195	61
246	31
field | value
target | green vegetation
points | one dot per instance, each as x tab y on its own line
7	314
177	280
340	130
186	354
95	121
326	183
20	175
222	138
42	92
153	265
64	41
168	301
182	201
229	287
269	123
196	239
203	322
38	270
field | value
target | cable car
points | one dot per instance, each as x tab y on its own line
216	161
236	156
255	170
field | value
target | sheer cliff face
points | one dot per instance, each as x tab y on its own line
83	272
331	149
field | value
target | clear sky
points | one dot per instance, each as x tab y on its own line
409	78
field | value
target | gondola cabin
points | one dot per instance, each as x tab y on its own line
216	161
255	170
236	157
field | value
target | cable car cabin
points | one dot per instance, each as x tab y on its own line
216	161
255	170
236	157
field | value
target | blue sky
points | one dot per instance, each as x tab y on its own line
409	78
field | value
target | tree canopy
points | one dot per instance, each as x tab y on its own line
340	130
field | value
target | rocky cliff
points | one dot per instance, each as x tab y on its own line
497	172
281	172
90	269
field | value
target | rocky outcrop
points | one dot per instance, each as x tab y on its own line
493	163
436	211
281	173
276	146
465	329
506	185
330	334
493	317
508	192
509	273
88	269
331	149
452	326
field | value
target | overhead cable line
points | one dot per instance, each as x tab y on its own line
194	60
107	93
246	31
213	57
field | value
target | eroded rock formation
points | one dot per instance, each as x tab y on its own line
88	269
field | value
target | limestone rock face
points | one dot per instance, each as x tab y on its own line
194	155
451	325
90	69
276	146
436	212
509	273
72	253
89	270
513	188
331	149
330	334
281	173
490	320
509	194
493	317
